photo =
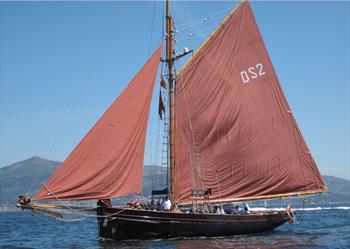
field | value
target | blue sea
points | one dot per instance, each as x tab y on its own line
318	227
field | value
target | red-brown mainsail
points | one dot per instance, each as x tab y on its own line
235	132
108	162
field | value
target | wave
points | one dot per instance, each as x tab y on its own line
301	209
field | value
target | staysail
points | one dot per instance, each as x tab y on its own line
235	133
108	162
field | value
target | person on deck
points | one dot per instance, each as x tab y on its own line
176	209
166	204
246	208
220	210
104	203
235	210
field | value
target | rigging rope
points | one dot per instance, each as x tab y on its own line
205	19
156	156
152	28
72	108
58	215
150	127
194	143
190	123
62	202
205	32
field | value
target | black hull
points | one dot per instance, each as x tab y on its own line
124	224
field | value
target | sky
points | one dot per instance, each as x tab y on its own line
63	63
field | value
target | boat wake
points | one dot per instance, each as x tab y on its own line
302	209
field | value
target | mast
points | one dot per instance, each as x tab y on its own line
170	61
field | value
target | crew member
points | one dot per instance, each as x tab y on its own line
166	204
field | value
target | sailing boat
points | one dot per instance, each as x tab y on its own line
233	138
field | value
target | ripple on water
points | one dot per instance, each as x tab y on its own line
322	229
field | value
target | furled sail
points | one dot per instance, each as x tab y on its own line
235	133
108	162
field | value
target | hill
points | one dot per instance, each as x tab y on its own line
339	191
24	177
27	176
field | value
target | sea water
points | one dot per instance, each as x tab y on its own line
318	227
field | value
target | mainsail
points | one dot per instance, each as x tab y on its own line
235	133
108	162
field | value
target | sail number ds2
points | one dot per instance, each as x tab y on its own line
252	72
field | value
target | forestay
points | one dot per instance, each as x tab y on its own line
108	162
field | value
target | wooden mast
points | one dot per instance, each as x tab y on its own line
170	61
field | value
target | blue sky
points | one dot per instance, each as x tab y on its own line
63	63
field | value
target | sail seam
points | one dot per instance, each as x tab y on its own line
219	108
298	151
293	122
193	140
